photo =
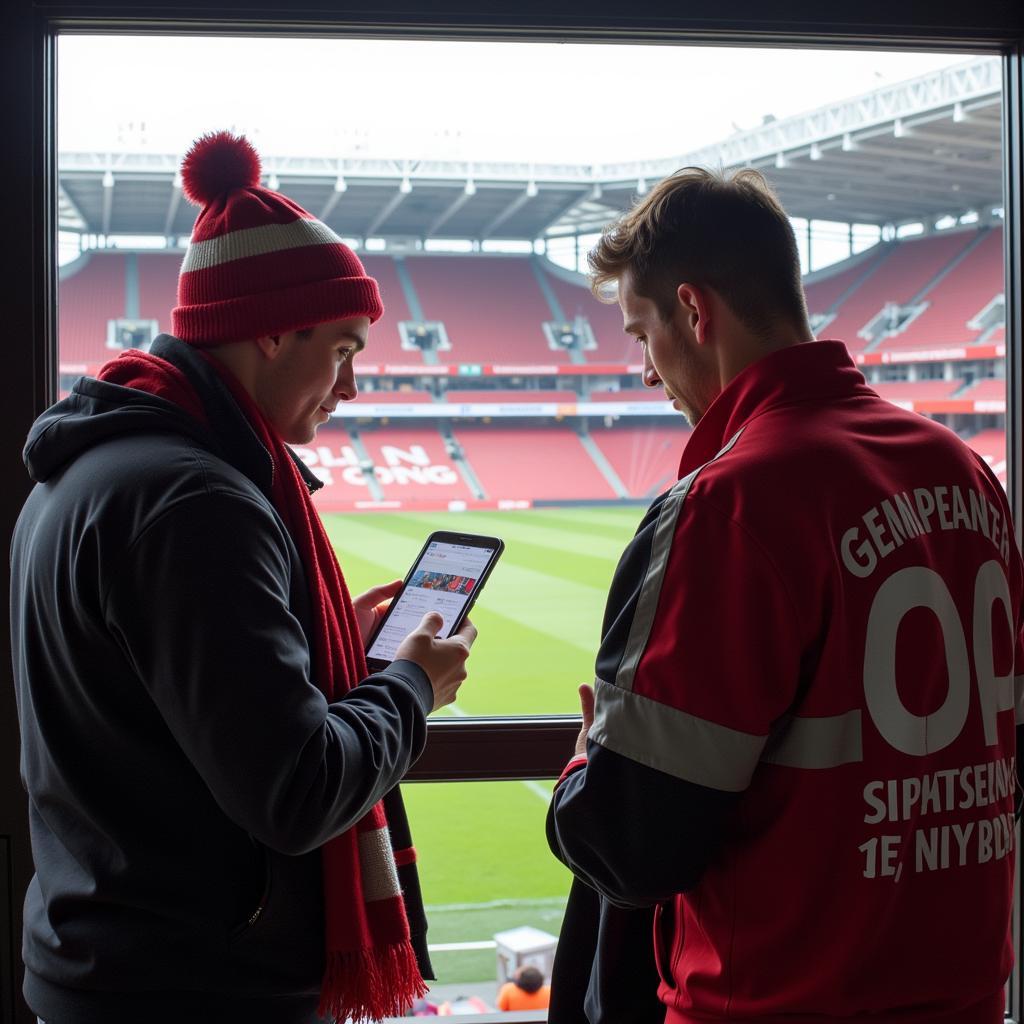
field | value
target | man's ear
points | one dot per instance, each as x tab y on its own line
269	345
695	303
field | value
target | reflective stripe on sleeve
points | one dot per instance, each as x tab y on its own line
650	591
673	741
826	742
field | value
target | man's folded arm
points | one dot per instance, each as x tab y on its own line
635	834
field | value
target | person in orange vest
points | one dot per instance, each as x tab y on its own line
526	991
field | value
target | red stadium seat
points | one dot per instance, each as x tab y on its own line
898	278
629	395
385	341
957	299
492	307
545	463
158	286
87	299
605	321
413	466
989	389
646	459
917	390
824	292
991	446
393	397
459	395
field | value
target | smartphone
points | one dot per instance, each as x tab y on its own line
446	577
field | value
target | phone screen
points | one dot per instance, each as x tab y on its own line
443	580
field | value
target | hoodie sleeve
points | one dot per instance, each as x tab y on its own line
202	610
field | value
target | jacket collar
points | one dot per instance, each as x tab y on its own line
814	371
234	438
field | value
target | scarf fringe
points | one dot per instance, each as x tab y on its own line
370	984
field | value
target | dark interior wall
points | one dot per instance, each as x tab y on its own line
27	281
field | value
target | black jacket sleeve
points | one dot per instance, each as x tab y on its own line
604	970
635	834
203	611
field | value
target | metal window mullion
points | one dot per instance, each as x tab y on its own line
1013	221
494	749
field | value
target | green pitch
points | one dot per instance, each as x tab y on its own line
484	863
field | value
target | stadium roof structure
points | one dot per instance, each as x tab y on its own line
920	149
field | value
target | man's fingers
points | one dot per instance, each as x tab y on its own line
587	704
431	624
375	595
467	632
384	591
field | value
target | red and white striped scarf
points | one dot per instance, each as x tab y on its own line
371	968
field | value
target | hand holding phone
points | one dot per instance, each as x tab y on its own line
446	578
444	661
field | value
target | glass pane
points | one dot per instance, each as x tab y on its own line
494	894
497	394
539	616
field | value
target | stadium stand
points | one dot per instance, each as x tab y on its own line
542	463
492	307
646	459
605	321
412	464
828	288
394	397
385	341
958	298
916	390
509	395
86	299
909	268
989	389
334	460
991	446
629	395
158	286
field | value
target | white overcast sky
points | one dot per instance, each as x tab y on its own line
474	101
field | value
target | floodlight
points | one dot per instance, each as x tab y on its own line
406	187
815	151
641	186
531	189
108	179
274	183
470	188
340	185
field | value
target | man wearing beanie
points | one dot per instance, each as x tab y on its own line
211	771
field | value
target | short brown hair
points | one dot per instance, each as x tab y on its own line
700	227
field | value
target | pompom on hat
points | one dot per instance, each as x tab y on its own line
258	263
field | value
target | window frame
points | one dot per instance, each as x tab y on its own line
458	750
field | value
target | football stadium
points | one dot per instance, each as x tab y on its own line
499	396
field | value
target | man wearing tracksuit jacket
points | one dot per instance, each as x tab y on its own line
800	751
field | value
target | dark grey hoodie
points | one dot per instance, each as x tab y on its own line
182	767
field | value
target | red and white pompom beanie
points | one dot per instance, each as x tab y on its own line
257	263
